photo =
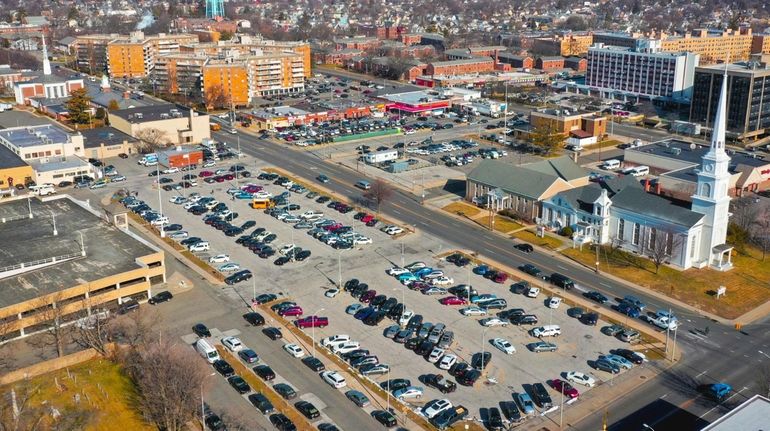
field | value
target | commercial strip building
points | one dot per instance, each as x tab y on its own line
106	142
166	124
71	269
287	116
580	128
480	79
623	73
748	105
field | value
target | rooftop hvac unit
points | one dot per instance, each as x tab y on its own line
139	115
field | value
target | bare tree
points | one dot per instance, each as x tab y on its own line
379	192
151	139
7	358
760	233
659	244
20	410
215	97
94	329
744	213
168	378
137	328
51	317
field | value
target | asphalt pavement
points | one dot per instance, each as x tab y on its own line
708	355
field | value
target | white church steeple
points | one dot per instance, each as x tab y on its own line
711	195
46	62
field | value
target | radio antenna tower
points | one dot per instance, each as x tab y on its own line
215	9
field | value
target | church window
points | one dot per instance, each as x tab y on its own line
693	246
653	234
705	190
669	243
621	228
635	235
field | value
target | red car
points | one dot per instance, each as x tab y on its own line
367	218
205	174
312	322
368	296
453	300
418	285
251	188
219	179
333	227
291	311
229	177
560	385
501	277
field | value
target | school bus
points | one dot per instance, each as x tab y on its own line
215	127
258	204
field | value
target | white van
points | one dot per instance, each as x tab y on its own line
546	331
637	171
205	349
610	165
45	190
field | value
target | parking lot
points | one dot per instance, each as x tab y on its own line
307	282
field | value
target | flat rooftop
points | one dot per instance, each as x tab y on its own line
9	159
93	138
693	153
750	416
31	136
144	114
411	98
55	164
109	250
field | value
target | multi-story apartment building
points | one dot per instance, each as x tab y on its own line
136	55
647	73
712	45
748	96
460	67
91	51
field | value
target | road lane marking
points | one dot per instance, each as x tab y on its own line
701	374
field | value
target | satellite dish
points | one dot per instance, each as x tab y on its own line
693	146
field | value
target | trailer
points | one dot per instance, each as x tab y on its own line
381	156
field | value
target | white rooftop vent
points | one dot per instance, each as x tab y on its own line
139	115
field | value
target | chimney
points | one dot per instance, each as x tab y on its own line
647	185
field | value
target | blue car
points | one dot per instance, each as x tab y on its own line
481	269
525	403
423	271
483	297
633	300
243	195
364	313
407	277
717	391
629	310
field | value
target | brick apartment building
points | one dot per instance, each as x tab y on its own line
577	64
549	63
516	61
564	45
358	42
461	67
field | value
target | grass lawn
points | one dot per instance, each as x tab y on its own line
505	225
530	237
462	209
103	390
748	284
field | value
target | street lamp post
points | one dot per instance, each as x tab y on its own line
339	269
313	329
483	337
160	198
203	405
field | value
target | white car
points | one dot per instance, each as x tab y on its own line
199	247
362	240
494	321
294	350
334	378
581	378
408	392
311	214
533	292
170	170
287	248
394	230
346	347
415	266
442	281
229	267
331	293
220	258
209	163
504	345
159	221
178	199
473	311
262	195
232	343
396	271
433	408
554	302
335	340
406	317
447	361
435	355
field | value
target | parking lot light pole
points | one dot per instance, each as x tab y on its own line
313	329
203	405
160	198
561	408
387	396
483	337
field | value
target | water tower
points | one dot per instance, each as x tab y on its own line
215	9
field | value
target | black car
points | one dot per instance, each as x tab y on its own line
285	390
282	423
261	403
282	261
441	383
562	281
458	368
524	319
540	396
201	330
415	322
384	417
510	313
378	300
596	296
412	343
265	372
248	224
307	409
530	269
238	277
254	318
161	297
510	411
313	363
223	368
375	318
214	423
494	419
351	284
395	384
480	360
265	298
630	355
302	255
273	333
469	377
239	384
526	248
590	319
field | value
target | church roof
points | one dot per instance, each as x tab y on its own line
517	180
581	198
638	201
